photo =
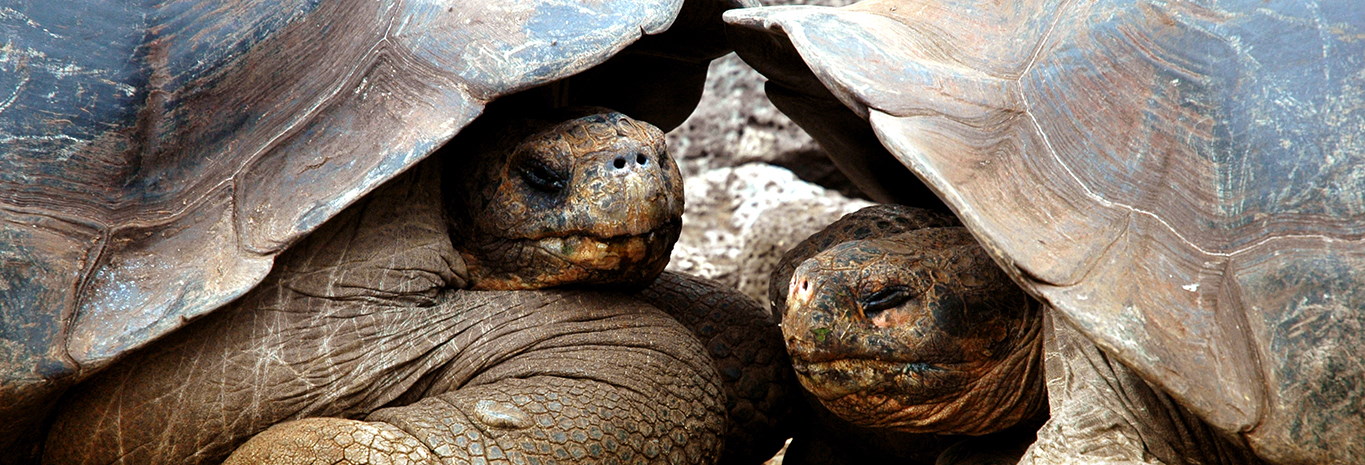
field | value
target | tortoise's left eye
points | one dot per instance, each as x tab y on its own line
541	177
886	298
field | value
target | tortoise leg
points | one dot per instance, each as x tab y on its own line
739	334
578	376
745	343
741	337
1103	412
622	383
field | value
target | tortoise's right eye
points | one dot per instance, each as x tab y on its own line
884	299
541	177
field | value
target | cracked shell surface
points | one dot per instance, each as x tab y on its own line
1182	181
156	157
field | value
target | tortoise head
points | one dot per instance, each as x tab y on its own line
919	332
588	197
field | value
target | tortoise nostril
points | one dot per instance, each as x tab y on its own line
798	292
620	162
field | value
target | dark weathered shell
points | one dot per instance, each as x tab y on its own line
1184	180
156	156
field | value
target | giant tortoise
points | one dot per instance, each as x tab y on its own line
160	158
912	345
1181	182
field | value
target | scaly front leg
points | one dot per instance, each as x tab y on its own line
619	383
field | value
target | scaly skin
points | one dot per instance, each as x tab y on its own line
362	336
868	223
1103	412
912	328
918	332
745	342
577	199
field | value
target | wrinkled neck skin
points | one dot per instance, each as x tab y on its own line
1104	412
919	332
363	320
590	197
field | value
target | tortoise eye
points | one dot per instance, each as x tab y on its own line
884	299
541	177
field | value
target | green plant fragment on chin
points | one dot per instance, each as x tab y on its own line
820	334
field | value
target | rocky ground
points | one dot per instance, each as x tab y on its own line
756	183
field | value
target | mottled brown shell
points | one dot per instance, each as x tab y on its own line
1182	180
156	156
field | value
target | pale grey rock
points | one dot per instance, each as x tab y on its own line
739	221
735	124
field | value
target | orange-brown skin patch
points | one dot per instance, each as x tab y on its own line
589	198
919	332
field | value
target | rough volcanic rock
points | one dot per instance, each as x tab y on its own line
739	221
735	124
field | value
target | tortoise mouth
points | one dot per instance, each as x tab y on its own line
900	395
600	253
855	375
582	259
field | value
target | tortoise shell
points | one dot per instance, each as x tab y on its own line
1184	181
157	156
